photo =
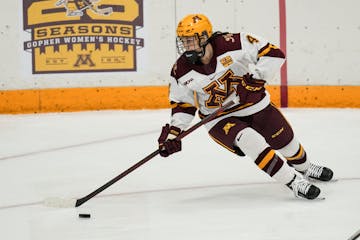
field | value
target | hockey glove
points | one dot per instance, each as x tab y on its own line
250	90
167	143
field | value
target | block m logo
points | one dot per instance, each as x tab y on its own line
84	59
220	89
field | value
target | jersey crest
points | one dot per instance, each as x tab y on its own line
226	61
220	89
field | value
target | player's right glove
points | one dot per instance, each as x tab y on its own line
167	142
250	89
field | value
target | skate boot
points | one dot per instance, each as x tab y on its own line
318	173
302	188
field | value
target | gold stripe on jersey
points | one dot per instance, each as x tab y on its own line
251	39
266	50
182	105
299	155
270	155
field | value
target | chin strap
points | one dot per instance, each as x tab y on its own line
194	57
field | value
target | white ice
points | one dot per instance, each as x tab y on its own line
201	193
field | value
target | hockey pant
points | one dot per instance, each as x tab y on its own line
258	136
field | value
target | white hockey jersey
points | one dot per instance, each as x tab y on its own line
205	87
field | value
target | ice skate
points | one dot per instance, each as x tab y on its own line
318	173
303	189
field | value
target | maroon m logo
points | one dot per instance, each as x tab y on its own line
219	92
84	59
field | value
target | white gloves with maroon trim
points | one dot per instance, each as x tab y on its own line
167	142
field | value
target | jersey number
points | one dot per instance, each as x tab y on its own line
251	39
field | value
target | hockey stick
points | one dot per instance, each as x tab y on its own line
66	203
355	235
103	11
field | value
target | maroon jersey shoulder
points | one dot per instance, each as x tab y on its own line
181	67
221	44
226	42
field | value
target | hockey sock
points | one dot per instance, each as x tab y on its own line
295	155
255	146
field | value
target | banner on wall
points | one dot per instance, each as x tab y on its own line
82	35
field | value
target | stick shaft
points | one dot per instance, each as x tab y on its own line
205	120
115	179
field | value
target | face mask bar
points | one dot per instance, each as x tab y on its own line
189	46
180	46
184	44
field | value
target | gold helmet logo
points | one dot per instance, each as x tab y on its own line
77	7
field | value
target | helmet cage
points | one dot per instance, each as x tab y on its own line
193	33
192	47
184	44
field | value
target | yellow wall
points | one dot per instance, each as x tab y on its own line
319	96
82	99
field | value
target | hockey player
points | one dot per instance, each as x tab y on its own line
211	66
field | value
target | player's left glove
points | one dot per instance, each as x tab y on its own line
167	142
250	89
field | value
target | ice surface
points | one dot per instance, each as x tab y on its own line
201	193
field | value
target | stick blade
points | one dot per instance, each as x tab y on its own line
59	202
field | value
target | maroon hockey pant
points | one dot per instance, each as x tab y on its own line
269	122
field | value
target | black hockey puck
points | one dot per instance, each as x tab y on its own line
84	215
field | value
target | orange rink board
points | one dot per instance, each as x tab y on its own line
156	97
